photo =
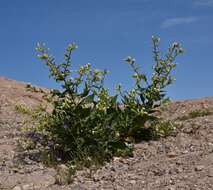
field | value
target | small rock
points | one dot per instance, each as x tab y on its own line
132	182
116	159
171	188
179	162
185	151
41	167
172	182
27	161
21	171
112	169
172	154
29	186
199	168
210	173
158	172
17	188
179	170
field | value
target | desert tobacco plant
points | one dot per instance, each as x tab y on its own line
146	95
80	127
88	125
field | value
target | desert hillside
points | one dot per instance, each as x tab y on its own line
181	161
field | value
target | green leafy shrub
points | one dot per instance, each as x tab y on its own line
141	102
88	125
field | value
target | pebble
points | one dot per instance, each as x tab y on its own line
185	151
172	154
210	173
199	168
29	186
171	188
17	188
132	182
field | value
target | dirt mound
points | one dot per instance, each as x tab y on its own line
182	161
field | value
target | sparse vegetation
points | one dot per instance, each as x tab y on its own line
32	88
88	126
196	113
22	109
163	128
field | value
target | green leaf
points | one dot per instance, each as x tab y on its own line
89	99
117	144
114	99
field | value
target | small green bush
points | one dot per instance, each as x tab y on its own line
88	125
22	109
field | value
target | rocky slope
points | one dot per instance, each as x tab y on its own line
182	161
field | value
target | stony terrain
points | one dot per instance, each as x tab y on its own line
182	161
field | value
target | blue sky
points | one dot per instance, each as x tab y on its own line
107	31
